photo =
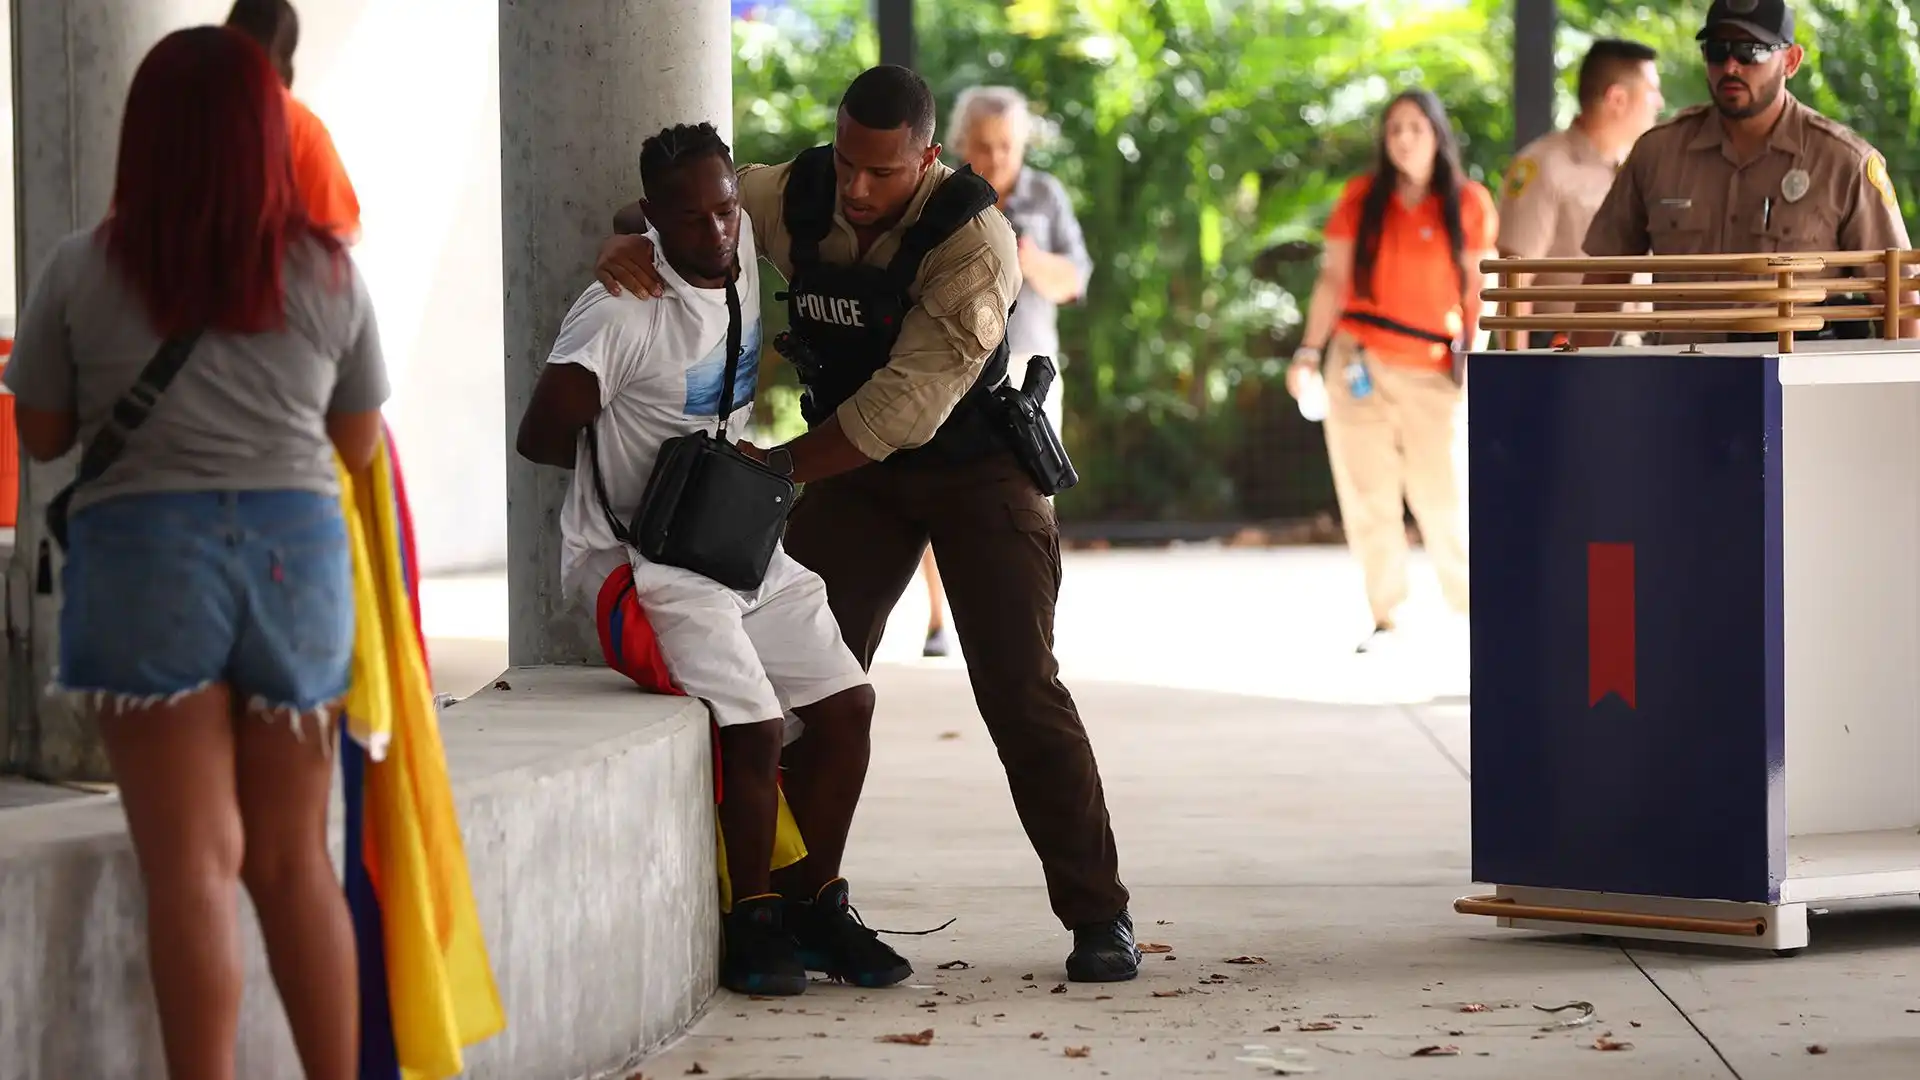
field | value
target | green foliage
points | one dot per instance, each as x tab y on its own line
1204	142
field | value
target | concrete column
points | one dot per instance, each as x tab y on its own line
582	83
1535	26
894	21
73	61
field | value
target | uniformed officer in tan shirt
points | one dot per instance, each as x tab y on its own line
900	275
1558	180
1756	171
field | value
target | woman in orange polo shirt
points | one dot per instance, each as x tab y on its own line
1397	302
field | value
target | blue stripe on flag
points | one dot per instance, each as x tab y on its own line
379	1058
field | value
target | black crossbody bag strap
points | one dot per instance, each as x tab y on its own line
734	332
110	441
134	407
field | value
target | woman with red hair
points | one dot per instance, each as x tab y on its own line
208	616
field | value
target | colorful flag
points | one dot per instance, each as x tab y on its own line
427	986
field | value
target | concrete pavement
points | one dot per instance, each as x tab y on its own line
1276	799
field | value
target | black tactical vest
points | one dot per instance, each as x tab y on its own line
849	316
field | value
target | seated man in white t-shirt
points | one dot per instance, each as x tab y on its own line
632	373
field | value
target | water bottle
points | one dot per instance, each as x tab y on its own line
1359	383
1313	398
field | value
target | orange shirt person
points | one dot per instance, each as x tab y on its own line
318	175
1396	305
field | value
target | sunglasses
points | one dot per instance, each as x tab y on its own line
1747	52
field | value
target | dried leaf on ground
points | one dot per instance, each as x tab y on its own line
1605	1042
924	1038
697	1070
1060	989
1155	947
1169	993
1077	1051
1448	1050
949	736
1163	922
1104	997
928	1005
502	685
1319	1025
1038	1035
1247	960
1272	1029
1474	1007
955	965
1816	1048
1635	1023
1028	977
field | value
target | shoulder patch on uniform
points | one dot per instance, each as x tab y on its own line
1519	175
1876	168
974	278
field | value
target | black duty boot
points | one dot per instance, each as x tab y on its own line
835	942
1104	951
760	956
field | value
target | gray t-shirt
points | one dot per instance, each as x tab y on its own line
246	412
1041	210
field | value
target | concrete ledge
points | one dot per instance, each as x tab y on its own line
587	809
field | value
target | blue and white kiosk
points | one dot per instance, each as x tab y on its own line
1696	633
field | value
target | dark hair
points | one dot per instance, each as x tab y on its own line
1448	177
204	201
1610	61
262	19
890	96
664	153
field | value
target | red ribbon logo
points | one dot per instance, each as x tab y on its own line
1610	650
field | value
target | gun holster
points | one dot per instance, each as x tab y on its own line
1035	443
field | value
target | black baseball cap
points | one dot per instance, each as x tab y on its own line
1769	21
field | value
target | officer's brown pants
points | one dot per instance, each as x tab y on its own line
1396	443
998	547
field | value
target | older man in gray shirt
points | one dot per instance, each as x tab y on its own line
991	128
990	131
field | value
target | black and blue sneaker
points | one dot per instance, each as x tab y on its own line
835	942
760	956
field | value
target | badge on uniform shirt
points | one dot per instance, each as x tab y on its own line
1795	184
1877	176
1522	174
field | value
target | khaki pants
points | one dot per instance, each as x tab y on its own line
1395	443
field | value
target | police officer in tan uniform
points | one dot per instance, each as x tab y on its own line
1757	171
900	276
1558	180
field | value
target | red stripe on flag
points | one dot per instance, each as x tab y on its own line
1610	647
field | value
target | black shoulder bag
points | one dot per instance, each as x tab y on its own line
707	507
128	414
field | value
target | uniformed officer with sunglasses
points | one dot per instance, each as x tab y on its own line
1755	171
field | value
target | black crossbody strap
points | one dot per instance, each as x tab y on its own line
620	531
134	407
733	359
1396	326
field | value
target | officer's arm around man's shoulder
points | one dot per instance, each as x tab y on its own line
966	286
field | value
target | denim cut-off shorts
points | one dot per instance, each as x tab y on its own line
168	594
